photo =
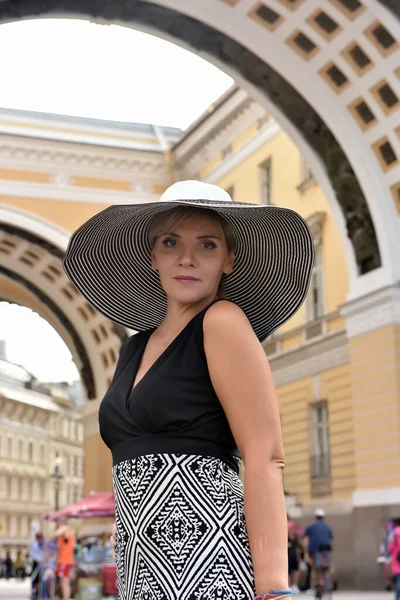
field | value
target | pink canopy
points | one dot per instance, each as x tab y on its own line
94	505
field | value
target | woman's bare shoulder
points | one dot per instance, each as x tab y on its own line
225	314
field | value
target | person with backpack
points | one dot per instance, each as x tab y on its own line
394	551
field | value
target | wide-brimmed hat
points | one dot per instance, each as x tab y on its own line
109	259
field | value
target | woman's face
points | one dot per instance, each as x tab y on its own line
191	260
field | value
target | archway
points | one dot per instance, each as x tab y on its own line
31	274
327	72
31	251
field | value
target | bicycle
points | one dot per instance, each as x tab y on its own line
323	585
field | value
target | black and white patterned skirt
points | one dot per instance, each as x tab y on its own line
180	530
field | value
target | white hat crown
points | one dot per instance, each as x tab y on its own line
195	190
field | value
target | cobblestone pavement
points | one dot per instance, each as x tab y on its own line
16	590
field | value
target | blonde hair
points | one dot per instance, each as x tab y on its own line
182	215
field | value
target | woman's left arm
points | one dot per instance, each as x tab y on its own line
242	380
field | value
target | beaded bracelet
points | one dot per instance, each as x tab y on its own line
274	595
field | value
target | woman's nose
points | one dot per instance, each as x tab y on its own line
186	257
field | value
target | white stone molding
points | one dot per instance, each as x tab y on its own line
95	132
215	133
35	225
40	155
209	126
266	133
372	311
311	359
315	223
376	497
48	191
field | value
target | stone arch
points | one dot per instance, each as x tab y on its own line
307	61
31	273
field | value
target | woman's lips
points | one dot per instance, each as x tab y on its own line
186	279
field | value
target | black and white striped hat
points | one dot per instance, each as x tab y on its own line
109	259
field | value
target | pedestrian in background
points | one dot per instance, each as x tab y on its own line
20	566
65	557
394	550
295	534
9	565
318	550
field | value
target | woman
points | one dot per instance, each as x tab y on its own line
394	551
203	280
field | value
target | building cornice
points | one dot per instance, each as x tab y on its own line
373	311
71	193
311	359
43	155
266	133
96	132
215	134
315	223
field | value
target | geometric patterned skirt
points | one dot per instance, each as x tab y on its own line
180	530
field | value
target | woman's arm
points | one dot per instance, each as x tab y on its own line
242	380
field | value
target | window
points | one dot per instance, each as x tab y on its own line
20	449
42	453
30	451
10	447
315	301
265	177
320	446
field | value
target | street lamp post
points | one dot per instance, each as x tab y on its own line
57	476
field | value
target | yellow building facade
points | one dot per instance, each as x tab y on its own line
335	363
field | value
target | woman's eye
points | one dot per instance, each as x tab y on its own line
209	245
169	243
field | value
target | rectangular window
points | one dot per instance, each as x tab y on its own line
30	451
315	298
320	444
265	179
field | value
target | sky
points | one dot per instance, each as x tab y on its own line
33	343
79	68
108	72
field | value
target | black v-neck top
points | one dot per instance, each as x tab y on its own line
172	409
